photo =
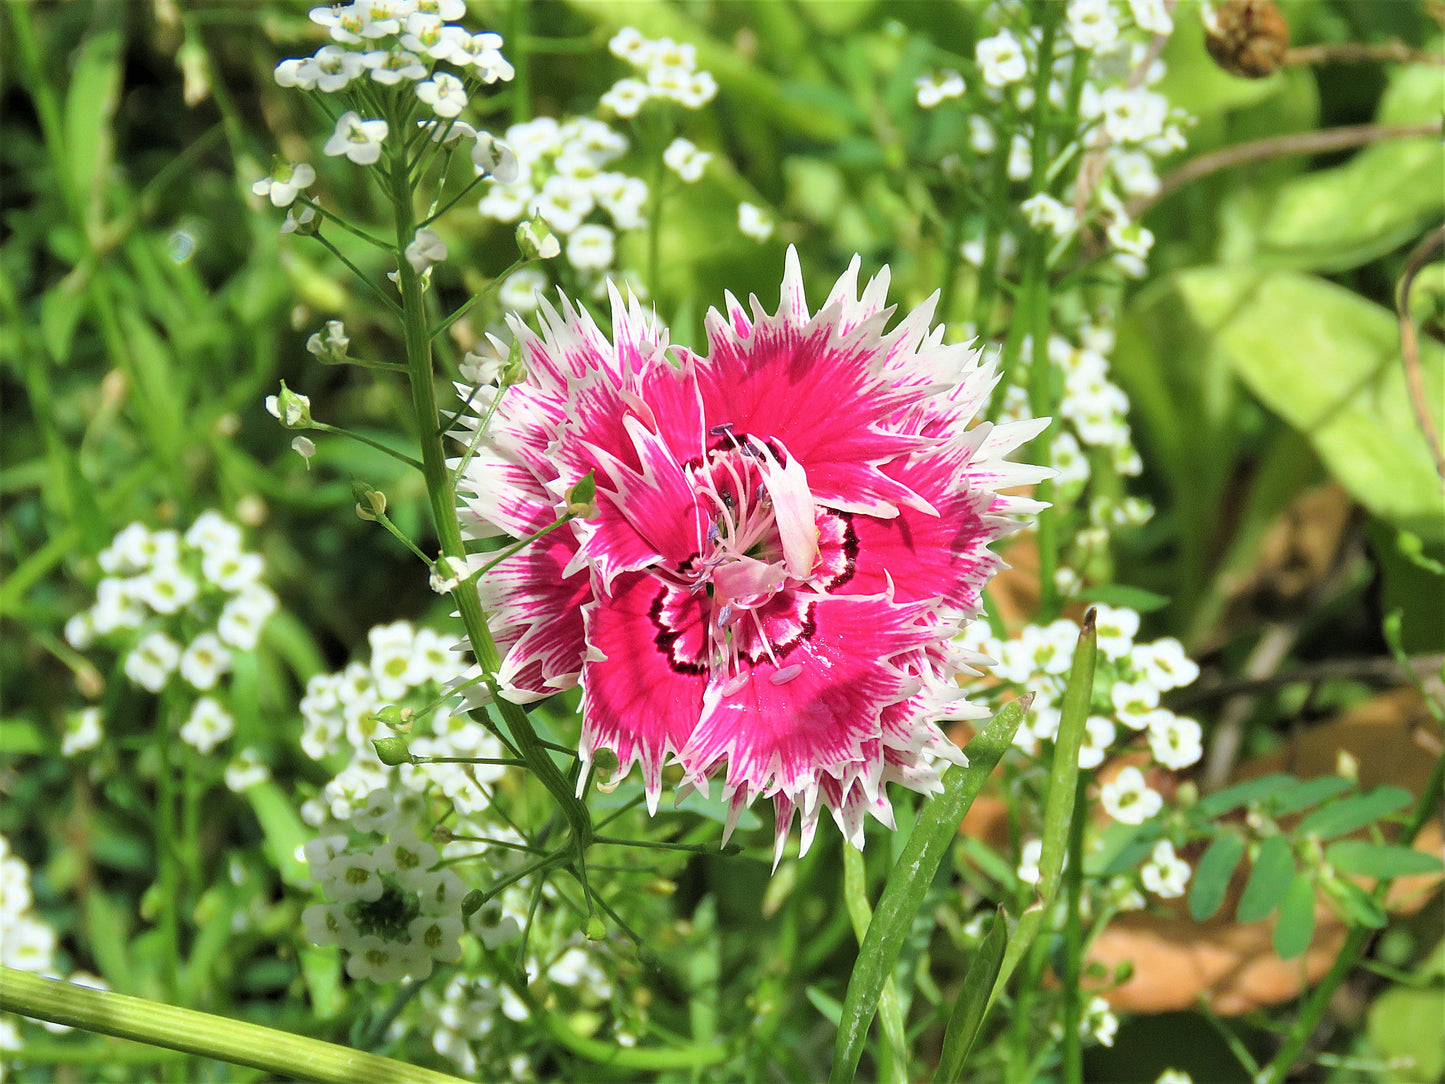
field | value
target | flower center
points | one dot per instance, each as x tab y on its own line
769	552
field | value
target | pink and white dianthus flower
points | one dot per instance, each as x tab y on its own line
789	533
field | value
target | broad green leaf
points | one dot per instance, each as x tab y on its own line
972	1003
90	104
1327	361
1251	790
1295	926
1350	814
1379	199
1269	880
1306	793
19	737
1381	860
933	833
1211	876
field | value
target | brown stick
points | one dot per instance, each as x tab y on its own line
1432	244
1330	139
1360	52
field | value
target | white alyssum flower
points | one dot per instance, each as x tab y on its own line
243	616
1133	114
208	725
1176	741
936	87
1164	873
1153	16
82	732
426	248
626	97
152	661
1091	24
1116	628
1029	855
1099	734
519	292
493	158
232	572
359	140
246	770
591	247
1044	212
1001	59
493	926
204	661
1133	701
1129	798
1165	663
445	93
1100	1021
166	589
683	158
754	222
285	183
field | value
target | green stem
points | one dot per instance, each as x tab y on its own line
168	873
200	1033
441	495
1074	945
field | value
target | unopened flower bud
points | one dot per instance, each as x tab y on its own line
596	929
292	408
370	503
398	719
331	345
537	241
604	770
392	751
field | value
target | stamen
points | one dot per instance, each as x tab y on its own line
719	430
786	674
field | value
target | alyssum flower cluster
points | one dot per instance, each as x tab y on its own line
788	533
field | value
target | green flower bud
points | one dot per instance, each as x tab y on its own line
392	751
291	408
537	241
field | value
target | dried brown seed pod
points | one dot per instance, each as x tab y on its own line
1247	37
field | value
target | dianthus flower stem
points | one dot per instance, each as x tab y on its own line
198	1033
441	494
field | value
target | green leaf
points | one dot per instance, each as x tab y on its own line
90	105
1361	908
1295	927
1251	790
1211	876
1120	594
825	1003
1350	814
1059	806
1379	199
1269	880
1306	793
285	834
972	1003
903	894
1380	860
1327	362
19	737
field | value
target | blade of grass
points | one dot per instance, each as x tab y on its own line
893	1058
1059	808
934	832
967	1017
